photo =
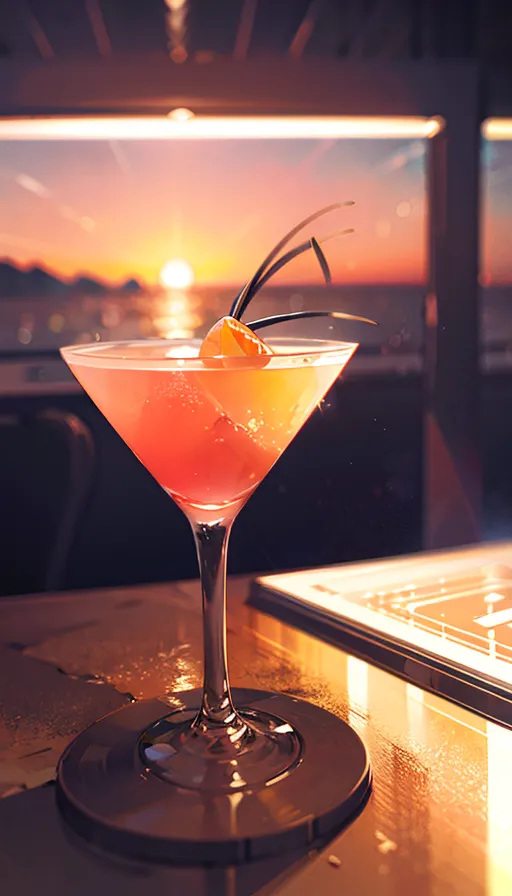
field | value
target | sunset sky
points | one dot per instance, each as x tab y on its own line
119	209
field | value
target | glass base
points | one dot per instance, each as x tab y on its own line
115	791
256	748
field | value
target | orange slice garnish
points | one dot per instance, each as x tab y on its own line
229	338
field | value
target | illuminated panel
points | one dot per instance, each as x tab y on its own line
454	608
183	124
497	129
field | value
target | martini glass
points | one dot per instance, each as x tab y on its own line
156	782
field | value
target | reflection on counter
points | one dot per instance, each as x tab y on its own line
441	798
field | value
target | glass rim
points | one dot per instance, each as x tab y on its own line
135	354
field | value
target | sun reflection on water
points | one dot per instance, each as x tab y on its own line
176	314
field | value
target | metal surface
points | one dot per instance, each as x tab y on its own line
110	797
441	620
439	819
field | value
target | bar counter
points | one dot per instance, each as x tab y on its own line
439	820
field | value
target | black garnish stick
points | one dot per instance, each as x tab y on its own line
322	261
276	250
296	315
284	260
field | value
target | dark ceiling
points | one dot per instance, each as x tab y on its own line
204	29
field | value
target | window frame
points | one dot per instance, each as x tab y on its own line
452	91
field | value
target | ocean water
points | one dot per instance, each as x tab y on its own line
42	325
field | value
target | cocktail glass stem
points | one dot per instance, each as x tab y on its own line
218	748
212	547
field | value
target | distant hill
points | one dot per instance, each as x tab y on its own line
89	286
36	282
28	283
131	286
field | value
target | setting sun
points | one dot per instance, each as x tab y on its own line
177	274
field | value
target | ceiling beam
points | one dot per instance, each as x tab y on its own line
305	29
383	12
151	84
99	28
37	33
244	33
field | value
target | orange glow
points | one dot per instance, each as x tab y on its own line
181	114
189	126
497	129
499	819
177	274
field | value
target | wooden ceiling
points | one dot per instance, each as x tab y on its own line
203	30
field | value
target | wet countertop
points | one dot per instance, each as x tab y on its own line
439	820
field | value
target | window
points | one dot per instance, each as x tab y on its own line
111	236
118	237
496	323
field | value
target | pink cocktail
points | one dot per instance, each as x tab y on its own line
208	430
218	775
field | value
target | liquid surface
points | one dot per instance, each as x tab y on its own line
210	433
